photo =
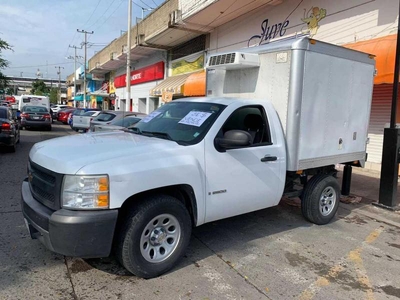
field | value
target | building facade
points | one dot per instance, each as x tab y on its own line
182	33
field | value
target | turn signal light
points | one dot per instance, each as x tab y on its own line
102	200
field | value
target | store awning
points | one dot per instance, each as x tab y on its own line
172	84
384	49
195	84
99	93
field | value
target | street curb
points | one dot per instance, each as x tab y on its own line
379	215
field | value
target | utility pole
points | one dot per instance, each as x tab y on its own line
391	145
84	65
59	83
75	57
128	59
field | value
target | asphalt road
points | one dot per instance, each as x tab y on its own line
270	254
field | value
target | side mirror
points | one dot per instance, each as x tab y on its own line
234	139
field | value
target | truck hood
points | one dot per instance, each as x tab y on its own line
67	155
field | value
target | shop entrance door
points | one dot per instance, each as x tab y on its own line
142	105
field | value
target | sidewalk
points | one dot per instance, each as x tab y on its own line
365	184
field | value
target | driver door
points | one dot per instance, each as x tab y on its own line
247	178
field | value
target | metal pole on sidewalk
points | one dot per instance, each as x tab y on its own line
75	57
391	145
84	65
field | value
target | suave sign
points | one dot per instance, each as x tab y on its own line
268	32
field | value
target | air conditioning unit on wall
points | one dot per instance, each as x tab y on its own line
175	17
140	39
113	55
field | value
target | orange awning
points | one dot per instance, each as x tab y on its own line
384	49
195	84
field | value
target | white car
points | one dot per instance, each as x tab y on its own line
58	107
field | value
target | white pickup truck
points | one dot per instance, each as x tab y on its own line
276	121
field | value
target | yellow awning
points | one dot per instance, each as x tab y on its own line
172	84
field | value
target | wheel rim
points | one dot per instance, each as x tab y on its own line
327	201
160	238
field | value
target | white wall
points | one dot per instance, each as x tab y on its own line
140	90
345	22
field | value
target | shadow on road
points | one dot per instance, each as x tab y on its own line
236	233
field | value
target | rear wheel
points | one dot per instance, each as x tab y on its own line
154	236
320	200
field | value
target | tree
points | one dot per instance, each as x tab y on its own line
39	88
53	95
3	64
9	91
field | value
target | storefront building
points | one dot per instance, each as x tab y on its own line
142	79
186	75
364	25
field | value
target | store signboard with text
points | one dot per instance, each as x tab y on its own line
146	74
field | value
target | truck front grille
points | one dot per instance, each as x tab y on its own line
45	185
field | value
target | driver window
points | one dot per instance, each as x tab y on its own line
252	120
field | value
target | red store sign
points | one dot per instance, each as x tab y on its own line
146	74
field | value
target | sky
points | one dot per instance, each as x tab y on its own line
40	31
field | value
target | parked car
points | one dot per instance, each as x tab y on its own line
9	129
56	108
108	116
79	112
82	122
62	115
120	124
35	116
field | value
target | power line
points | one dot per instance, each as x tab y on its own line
91	14
102	14
63	63
138	5
110	15
156	5
146	4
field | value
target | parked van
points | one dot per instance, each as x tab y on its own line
34	100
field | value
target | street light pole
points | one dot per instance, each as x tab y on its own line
84	67
59	83
75	57
128	59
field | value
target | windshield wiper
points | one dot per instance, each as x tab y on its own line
133	130
158	134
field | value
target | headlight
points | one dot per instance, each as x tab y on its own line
85	192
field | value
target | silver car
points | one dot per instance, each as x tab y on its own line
120	124
108	116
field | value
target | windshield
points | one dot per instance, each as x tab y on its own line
104	117
126	122
34	109
89	113
183	122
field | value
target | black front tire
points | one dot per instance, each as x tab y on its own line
134	226
320	199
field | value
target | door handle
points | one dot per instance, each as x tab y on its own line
268	158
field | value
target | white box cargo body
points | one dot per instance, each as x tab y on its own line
321	92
